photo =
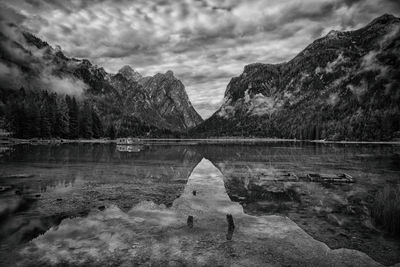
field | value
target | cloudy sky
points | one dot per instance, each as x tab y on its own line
204	42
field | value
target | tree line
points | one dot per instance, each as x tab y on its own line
30	114
41	114
343	122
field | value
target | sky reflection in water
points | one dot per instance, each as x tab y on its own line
72	180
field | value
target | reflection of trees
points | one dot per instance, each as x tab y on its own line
255	173
72	153
251	176
104	162
240	164
158	173
301	157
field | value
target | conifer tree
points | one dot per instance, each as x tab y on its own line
73	118
85	123
97	126
62	118
33	119
45	121
111	131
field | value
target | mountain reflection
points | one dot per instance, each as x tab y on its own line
142	226
156	235
210	198
42	185
337	214
163	185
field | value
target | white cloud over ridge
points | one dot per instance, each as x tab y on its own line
205	42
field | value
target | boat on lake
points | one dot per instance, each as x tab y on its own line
130	148
128	141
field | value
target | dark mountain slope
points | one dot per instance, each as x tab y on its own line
345	85
125	99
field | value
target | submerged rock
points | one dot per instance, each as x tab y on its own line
190	221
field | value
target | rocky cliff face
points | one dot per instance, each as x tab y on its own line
129	73
125	99
160	100
345	85
170	100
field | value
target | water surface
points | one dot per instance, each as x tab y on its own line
42	185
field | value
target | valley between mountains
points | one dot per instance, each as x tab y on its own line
343	86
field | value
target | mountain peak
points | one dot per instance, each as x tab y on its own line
384	19
129	73
33	40
126	68
342	71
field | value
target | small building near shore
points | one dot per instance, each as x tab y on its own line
128	141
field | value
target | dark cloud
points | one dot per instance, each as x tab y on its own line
25	65
10	15
205	42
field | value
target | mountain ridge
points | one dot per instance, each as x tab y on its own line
36	65
341	79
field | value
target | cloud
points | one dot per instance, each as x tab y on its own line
334	98
331	66
369	62
63	85
205	42
358	90
11	77
17	53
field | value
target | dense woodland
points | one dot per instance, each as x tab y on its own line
343	86
349	120
41	114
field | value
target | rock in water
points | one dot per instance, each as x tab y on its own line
190	221
231	226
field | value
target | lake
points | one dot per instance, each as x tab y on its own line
53	188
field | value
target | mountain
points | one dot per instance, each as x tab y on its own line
343	86
129	73
133	104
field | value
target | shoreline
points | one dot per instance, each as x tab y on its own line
185	141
